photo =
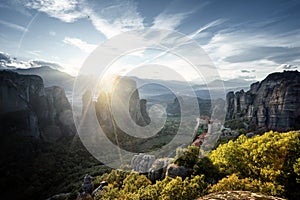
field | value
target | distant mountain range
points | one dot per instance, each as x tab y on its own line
152	89
155	89
49	72
51	77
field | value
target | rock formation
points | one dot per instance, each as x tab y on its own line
174	170
158	169
124	89
273	103
27	108
238	195
141	163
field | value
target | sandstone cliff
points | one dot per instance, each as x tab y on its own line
27	108
273	103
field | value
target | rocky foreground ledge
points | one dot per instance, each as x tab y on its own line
238	195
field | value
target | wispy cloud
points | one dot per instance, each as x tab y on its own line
169	21
232	49
13	26
65	10
207	26
117	19
110	19
82	45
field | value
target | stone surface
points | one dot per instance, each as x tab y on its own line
57	115
19	99
158	169
273	103
238	195
125	100
141	163
27	108
174	170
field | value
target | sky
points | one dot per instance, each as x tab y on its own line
244	39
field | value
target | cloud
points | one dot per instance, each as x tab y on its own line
207	26
114	18
40	63
287	66
245	71
234	47
82	45
276	54
174	15
249	77
36	53
14	26
17	5
169	21
65	10
110	18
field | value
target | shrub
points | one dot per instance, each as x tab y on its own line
232	183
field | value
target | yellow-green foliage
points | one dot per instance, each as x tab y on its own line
137	186
133	183
260	157
232	183
267	164
187	157
269	158
296	167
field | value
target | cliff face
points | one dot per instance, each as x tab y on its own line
27	108
124	90
273	103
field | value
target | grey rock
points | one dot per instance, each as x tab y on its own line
27	108
142	162
158	169
174	170
273	103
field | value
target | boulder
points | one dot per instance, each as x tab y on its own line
174	170
142	162
158	169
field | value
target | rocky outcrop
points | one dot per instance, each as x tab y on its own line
238	195
19	100
273	103
124	98
141	163
158	169
27	108
174	170
58	115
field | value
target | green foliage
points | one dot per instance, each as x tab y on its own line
187	157
109	192
205	166
267	164
137	186
232	183
133	182
296	167
269	158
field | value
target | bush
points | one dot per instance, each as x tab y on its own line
232	183
269	158
187	157
137	186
